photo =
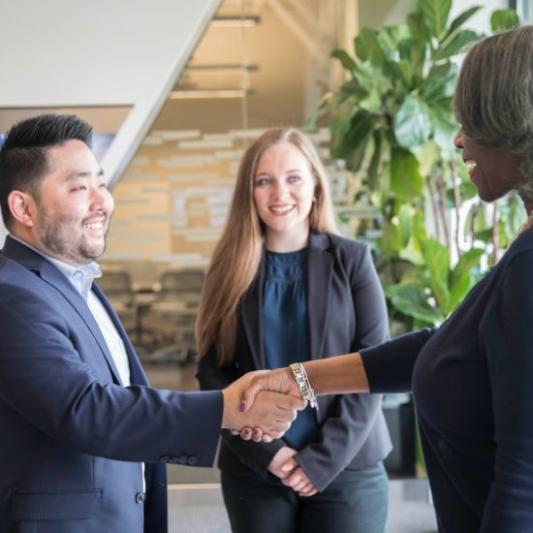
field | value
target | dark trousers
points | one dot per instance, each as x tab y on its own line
355	502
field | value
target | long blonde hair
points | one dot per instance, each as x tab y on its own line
237	255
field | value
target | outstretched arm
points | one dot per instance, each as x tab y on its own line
336	375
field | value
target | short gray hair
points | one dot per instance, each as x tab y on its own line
494	96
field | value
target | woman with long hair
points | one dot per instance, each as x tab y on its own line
472	378
284	287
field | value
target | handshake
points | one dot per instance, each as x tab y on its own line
262	404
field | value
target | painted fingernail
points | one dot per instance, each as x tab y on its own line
242	407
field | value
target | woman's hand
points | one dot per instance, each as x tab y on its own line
285	467
282	463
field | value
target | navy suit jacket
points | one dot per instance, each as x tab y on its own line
72	436
347	312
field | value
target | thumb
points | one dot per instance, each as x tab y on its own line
289	465
248	396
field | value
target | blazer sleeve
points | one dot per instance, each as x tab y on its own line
352	417
255	455
45	380
507	336
389	366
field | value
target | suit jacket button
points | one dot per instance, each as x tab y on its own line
182	459
193	460
140	497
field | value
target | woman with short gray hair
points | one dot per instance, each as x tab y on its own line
472	378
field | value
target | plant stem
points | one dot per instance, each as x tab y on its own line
434	208
441	189
457	206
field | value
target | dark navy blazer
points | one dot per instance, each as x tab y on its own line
72	435
347	312
472	381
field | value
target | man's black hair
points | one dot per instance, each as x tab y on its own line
23	155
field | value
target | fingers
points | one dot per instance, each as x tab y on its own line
270	417
257	434
298	481
289	466
308	490
246	433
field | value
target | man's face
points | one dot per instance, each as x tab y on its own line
73	206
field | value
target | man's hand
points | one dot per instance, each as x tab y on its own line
272	412
280	380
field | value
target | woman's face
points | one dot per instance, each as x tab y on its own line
494	171
284	189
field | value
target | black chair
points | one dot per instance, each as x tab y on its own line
116	284
173	313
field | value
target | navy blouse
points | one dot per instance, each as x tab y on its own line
285	326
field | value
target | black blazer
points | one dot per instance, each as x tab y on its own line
347	312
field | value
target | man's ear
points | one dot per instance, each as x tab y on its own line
22	207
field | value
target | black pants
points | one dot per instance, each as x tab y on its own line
355	502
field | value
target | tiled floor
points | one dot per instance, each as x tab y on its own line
198	508
195	501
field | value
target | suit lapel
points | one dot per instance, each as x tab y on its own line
138	377
319	270
251	316
53	277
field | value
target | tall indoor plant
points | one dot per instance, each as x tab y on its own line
392	122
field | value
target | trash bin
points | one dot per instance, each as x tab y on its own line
399	415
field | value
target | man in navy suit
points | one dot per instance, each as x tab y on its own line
84	438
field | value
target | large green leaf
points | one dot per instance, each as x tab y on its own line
462	278
460	19
405	223
406	181
437	259
412	125
389	37
352	143
444	131
390	242
418	27
504	19
346	59
413	52
436	13
456	44
466	263
371	78
512	214
411	301
439	83
373	167
367	47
